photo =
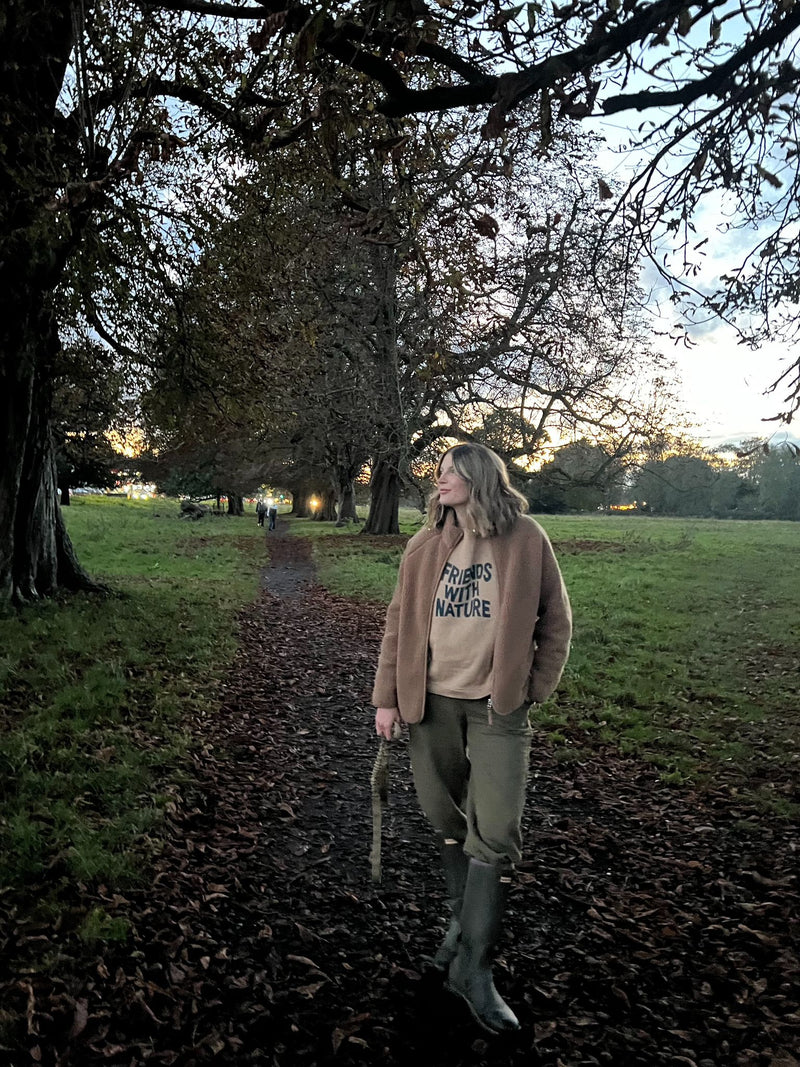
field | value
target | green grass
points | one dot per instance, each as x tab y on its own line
98	926
94	690
687	638
686	649
351	564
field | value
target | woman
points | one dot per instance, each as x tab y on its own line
478	629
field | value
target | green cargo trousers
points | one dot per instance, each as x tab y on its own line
470	771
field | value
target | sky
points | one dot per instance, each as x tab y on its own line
722	383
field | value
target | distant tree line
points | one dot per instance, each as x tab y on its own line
751	480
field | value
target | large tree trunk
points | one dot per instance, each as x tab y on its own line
347	504
36	555
35	561
235	504
343	478
35	552
326	512
384	505
301	504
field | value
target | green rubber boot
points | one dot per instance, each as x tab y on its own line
455	864
470	974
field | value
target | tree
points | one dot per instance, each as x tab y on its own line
677	485
84	160
731	497
273	343
102	96
54	167
580	477
374	335
378	334
89	403
778	474
746	481
717	76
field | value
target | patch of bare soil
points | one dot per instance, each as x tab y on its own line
645	927
576	545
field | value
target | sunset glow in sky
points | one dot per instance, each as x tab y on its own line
722	382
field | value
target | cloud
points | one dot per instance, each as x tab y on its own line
723	382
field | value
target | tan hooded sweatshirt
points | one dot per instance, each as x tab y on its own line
533	629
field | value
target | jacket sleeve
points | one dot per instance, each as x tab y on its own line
384	692
553	630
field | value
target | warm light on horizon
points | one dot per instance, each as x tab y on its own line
129	443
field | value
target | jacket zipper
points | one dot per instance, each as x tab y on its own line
430	621
490	709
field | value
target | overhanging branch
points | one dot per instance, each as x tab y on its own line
717	81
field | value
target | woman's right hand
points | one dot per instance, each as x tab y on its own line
385	719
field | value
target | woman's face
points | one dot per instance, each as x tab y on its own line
453	489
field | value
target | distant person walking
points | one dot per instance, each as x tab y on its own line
273	516
261	511
478	629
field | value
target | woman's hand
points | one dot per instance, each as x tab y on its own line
387	722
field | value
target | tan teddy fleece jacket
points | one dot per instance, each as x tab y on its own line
534	623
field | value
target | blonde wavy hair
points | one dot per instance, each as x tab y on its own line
494	505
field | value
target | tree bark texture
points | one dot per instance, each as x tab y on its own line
36	556
343	479
35	552
326	512
301	504
384	505
347	504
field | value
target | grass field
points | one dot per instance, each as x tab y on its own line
686	649
686	654
93	690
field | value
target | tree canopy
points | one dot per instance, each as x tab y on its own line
714	82
761	482
118	114
386	300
